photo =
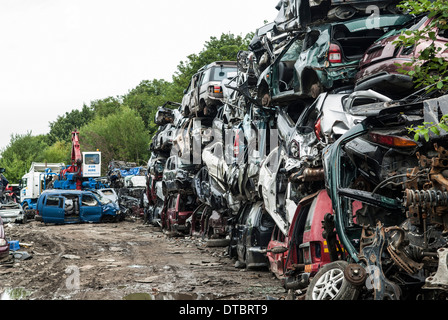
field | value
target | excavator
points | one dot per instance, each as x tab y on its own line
84	167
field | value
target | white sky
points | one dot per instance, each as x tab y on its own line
56	55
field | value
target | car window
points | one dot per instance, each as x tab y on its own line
218	73
102	198
311	39
187	204
309	218
243	217
109	192
419	24
88	200
293	52
266	221
172	202
205	76
52	201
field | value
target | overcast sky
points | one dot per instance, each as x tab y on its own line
56	55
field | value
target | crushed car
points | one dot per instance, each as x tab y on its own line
12	212
177	209
325	57
381	66
75	206
4	245
298	255
253	229
204	92
395	235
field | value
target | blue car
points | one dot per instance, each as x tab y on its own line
74	206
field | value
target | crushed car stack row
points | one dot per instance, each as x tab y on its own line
254	157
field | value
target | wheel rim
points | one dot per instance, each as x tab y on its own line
329	285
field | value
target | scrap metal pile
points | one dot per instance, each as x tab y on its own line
297	157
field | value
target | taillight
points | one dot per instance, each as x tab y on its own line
317	128
236	145
392	141
215	89
334	54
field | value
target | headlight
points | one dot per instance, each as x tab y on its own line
3	242
294	149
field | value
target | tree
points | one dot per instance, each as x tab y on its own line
21	151
120	136
105	107
61	129
60	151
147	97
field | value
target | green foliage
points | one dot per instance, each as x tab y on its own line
426	127
105	107
147	97
61	129
428	69
121	135
60	151
20	152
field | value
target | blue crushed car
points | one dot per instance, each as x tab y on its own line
75	206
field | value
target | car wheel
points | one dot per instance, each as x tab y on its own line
218	242
329	283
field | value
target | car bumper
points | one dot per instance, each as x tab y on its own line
11	217
256	257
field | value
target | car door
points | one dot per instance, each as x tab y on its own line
269	188
53	209
194	93
90	209
241	229
276	260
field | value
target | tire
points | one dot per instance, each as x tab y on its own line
218	242
329	284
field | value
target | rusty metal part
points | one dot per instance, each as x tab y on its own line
313	174
426	197
440	279
309	174
371	254
355	274
398	256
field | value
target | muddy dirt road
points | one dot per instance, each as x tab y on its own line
125	260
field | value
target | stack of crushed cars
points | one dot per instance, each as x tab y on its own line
127	187
311	126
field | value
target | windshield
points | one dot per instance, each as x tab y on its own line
102	198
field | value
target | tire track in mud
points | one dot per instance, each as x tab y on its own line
46	276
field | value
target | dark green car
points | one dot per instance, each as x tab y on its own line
324	57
